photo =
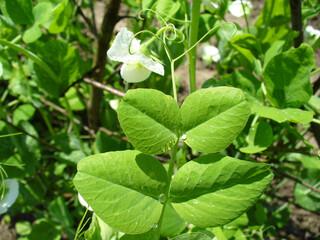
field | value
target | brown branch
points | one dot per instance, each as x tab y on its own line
110	19
30	135
296	20
104	87
91	27
295	179
65	113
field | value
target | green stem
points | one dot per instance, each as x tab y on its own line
315	71
195	17
167	193
317	121
174	88
245	16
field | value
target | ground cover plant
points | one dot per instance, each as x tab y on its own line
102	136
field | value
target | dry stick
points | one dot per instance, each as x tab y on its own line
287	175
31	135
110	19
296	20
104	87
92	27
65	112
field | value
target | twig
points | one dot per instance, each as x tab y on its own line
31	135
65	112
287	175
110	133
93	15
92	27
104	87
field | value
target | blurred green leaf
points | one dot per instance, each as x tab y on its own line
287	77
172	223
260	137
44	229
59	211
20	11
192	236
307	198
294	115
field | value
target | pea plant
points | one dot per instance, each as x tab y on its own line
95	114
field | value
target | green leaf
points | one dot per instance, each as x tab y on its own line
192	236
150	119
282	115
65	62
274	50
305	197
123	188
168	8
260	138
172	223
32	34
23	228
44	229
1	69
60	17
59	211
23	112
98	230
20	11
213	189
287	77
310	162
42	12
212	118
150	235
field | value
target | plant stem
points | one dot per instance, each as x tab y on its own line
167	193
245	16
195	17
296	20
174	89
110	19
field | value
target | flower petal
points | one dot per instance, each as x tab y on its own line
83	202
134	72
119	50
11	196
236	8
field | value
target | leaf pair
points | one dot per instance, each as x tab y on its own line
126	189
208	121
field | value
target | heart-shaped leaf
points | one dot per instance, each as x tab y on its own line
150	119
212	118
123	189
214	189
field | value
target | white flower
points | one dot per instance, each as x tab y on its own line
83	202
114	103
210	54
312	32
210	4
11	194
136	67
236	9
